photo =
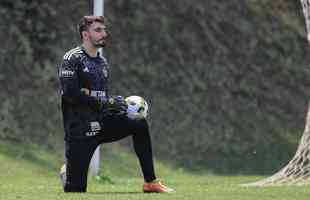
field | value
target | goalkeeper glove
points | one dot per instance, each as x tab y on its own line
116	105
113	104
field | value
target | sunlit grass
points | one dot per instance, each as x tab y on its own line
21	178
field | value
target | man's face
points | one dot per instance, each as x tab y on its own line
97	34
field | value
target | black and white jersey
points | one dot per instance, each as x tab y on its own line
77	73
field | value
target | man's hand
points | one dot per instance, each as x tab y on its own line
114	104
117	104
85	91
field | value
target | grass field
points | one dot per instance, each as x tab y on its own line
32	175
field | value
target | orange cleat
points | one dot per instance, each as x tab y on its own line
156	187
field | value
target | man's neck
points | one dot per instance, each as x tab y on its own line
91	51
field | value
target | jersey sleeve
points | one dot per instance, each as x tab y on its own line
71	87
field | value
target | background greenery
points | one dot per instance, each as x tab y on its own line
227	81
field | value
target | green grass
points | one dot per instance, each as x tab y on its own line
29	173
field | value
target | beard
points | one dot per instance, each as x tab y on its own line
99	43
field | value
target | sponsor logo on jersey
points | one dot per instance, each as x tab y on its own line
95	93
66	73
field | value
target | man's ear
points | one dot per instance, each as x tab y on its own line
85	35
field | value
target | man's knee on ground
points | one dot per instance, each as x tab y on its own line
72	188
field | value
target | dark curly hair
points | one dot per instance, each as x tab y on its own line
86	21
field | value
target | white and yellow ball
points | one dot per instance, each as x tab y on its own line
137	107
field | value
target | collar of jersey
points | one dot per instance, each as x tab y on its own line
84	50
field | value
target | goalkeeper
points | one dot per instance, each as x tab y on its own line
91	116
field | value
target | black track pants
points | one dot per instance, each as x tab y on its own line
79	152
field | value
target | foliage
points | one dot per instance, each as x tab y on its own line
227	81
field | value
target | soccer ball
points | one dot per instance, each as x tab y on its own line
137	107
